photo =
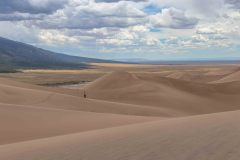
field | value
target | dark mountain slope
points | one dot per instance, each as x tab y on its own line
17	55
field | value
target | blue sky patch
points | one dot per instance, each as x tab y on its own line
152	9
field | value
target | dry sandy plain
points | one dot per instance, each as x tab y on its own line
132	112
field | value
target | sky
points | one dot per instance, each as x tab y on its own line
123	30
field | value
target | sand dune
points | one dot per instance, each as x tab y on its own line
20	123
19	95
235	76
178	75
115	80
143	95
126	116
213	136
197	76
189	98
200	74
28	112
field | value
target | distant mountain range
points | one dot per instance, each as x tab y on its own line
17	55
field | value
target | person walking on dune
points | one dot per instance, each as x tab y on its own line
84	94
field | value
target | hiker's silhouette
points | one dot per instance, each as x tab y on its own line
84	94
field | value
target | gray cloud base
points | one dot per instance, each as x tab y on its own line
32	7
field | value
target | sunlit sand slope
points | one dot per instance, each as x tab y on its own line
21	123
213	136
